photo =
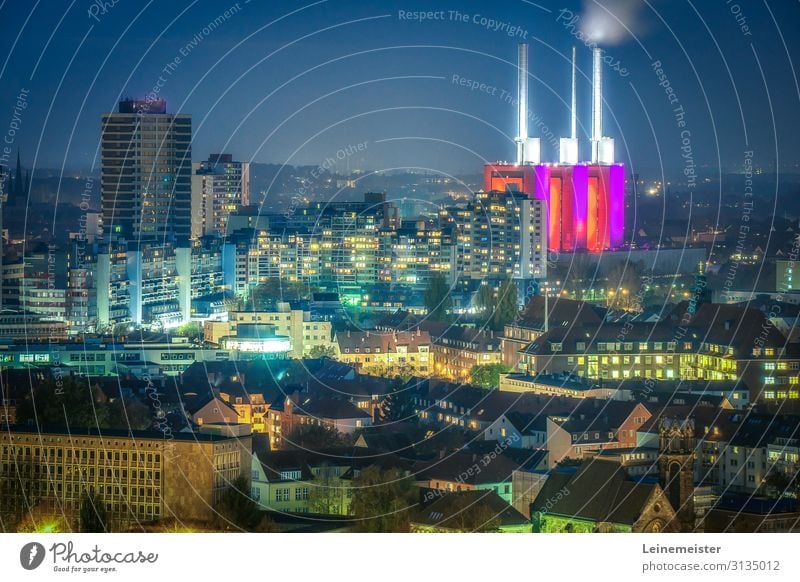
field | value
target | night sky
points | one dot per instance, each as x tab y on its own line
297	82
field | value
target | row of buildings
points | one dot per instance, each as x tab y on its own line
351	248
175	240
734	351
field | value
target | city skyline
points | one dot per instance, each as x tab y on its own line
368	267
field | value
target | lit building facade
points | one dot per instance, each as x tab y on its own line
305	333
500	234
146	172
139	476
585	203
220	187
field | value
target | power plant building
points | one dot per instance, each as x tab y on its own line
584	200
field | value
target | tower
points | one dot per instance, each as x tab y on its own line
602	147
146	200
528	148
676	468
146	172
568	146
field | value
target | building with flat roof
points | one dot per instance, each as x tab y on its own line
146	161
139	476
220	187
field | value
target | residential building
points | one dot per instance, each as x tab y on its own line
747	514
533	321
711	342
213	410
296	481
499	235
592	427
468	512
220	187
146	159
387	353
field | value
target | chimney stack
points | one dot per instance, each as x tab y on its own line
522	101
528	149
568	146
602	147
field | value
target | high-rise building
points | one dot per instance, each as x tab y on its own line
220	187
146	172
501	234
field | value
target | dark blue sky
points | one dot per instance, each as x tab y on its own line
338	73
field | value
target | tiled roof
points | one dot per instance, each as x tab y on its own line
443	511
385	341
599	491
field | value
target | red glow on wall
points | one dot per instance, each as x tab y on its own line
585	208
554	235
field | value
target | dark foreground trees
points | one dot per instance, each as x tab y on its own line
383	500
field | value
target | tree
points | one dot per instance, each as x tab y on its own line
236	509
322	352
264	296
485	300
326	492
315	437
398	405
130	413
20	495
625	280
74	402
498	307
191	329
778	484
67	401
468	515
506	309
487	375
45	517
438	301
92	517
382	500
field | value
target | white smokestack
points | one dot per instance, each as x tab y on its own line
597	103
528	148
522	101
573	113
568	146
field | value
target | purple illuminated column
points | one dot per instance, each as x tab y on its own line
616	203
543	193
580	184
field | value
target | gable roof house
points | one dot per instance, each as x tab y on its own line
599	496
468	511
